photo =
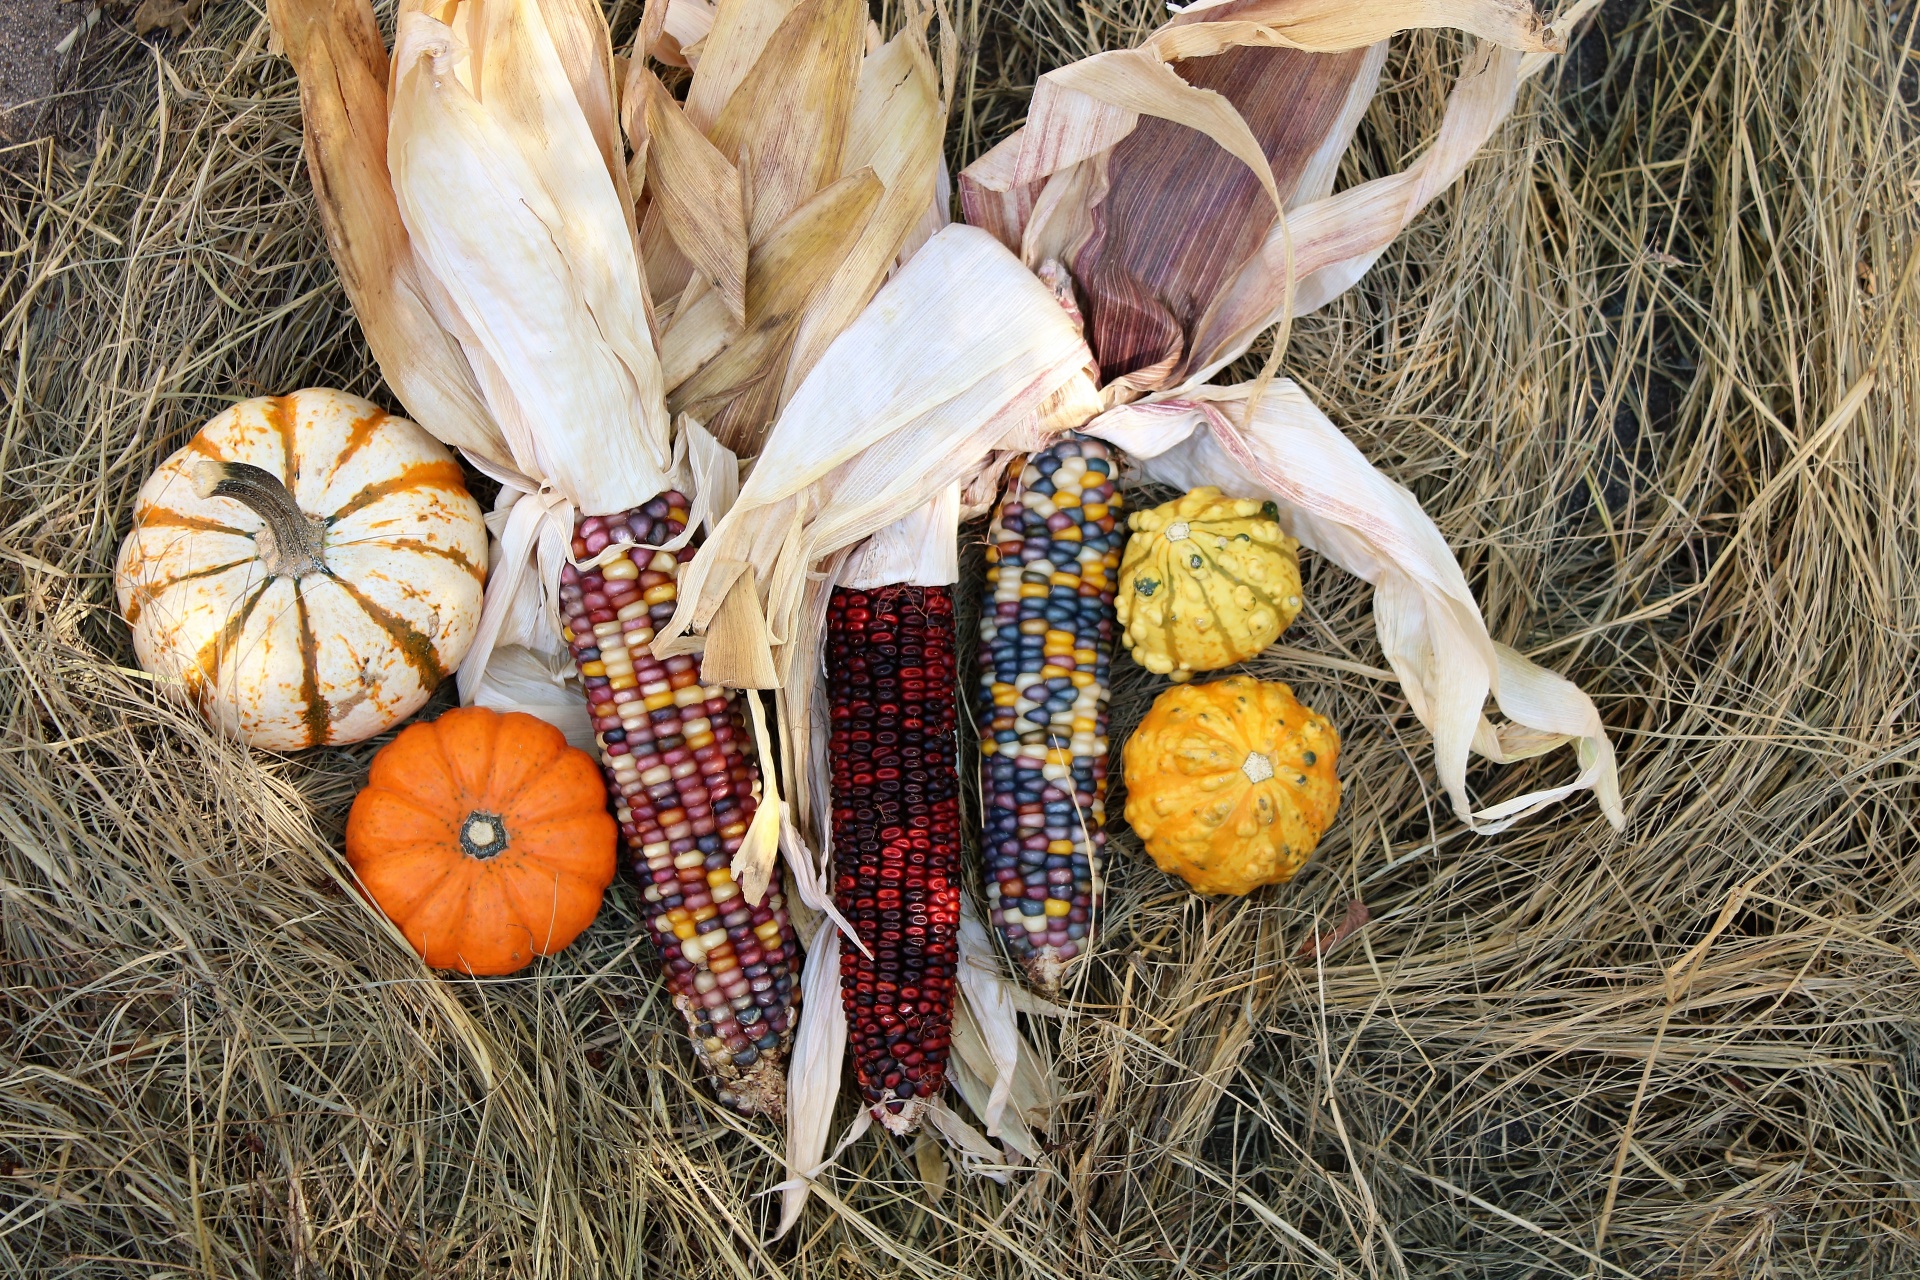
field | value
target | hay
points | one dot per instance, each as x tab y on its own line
1649	367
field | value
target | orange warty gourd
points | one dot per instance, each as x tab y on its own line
485	838
1231	784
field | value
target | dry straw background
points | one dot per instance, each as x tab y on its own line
1649	366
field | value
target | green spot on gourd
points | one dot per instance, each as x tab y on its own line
1146	586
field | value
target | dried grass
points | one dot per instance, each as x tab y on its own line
1617	365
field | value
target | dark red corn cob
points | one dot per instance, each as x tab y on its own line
684	788
896	837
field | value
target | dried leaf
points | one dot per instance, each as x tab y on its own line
1329	26
784	273
739	653
695	190
786	124
931	1166
1332	242
737	35
1180	215
813	1072
1318	944
175	17
904	403
335	48
1430	628
1295	74
754	861
531	261
895	131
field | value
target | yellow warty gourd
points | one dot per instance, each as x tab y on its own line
1231	784
1206	581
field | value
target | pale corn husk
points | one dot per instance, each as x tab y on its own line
1035	190
1430	628
342	63
1317	246
1004	1078
525	228
831	157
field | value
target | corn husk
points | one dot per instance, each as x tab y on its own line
336	48
524	225
822	158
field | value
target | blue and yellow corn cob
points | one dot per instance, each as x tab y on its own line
1046	644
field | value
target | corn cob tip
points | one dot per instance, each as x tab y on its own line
760	1090
902	1122
1044	969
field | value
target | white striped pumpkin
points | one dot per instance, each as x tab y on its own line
308	567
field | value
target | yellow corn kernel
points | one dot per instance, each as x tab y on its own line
1061	578
1005	695
593	669
1057	847
1094	511
622	682
769	932
1058	907
665	593
677	513
1081	679
1065	497
656	701
1050	671
619	569
1033	591
719	876
690	696
1060	755
1061	637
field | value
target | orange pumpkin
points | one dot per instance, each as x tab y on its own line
485	838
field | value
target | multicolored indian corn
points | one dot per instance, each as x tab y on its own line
685	786
896	837
1046	643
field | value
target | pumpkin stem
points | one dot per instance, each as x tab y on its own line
291	545
483	835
